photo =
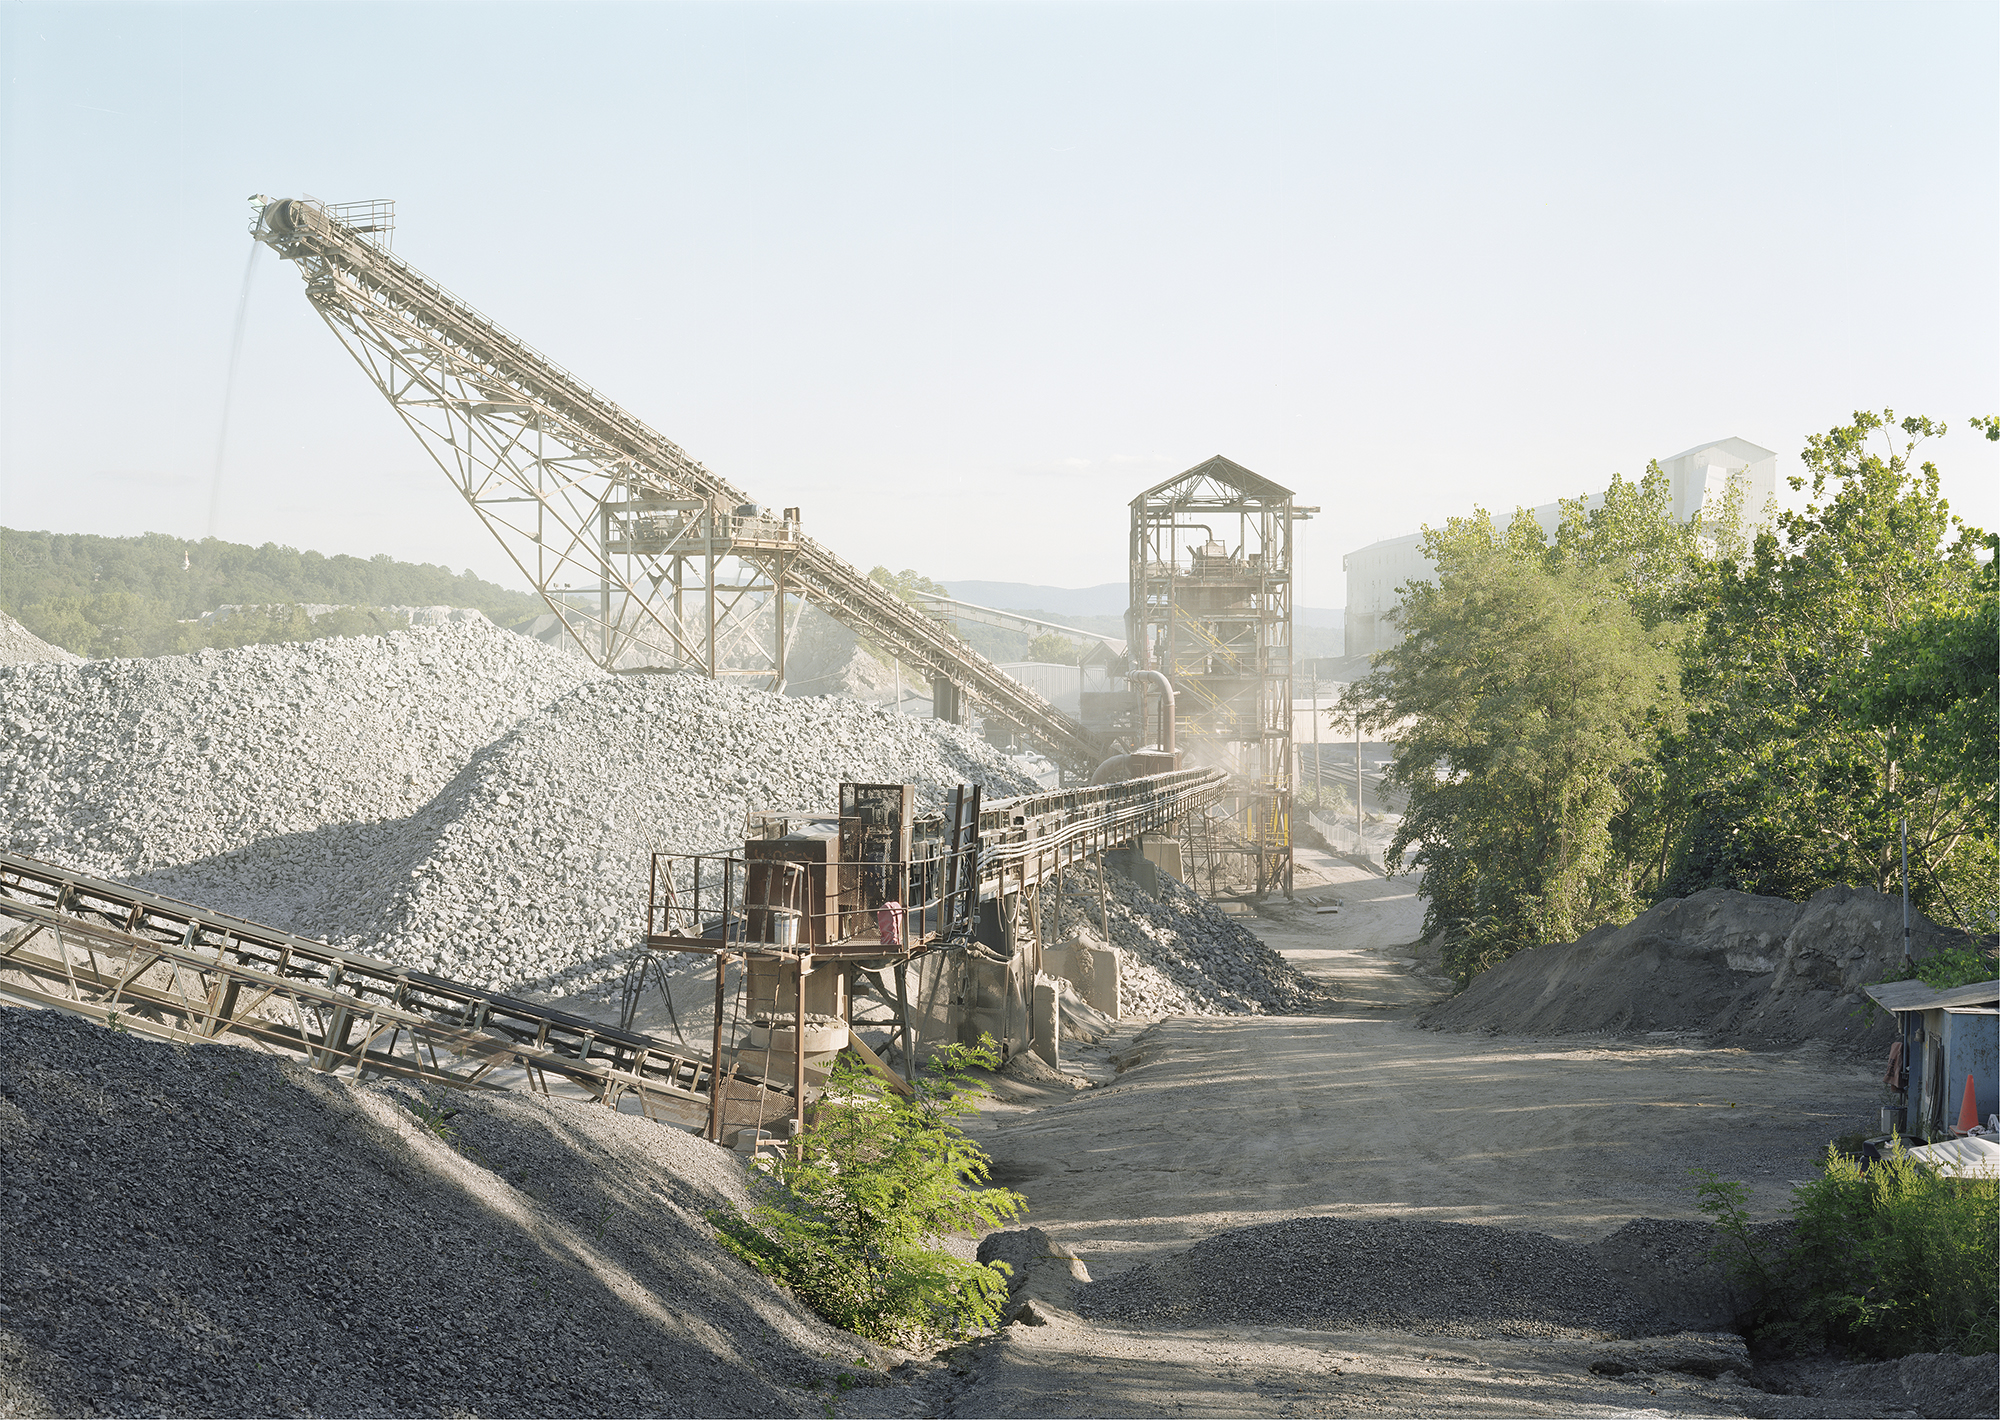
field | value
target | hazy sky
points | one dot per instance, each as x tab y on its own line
962	279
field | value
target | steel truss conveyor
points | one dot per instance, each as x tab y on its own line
165	969
618	528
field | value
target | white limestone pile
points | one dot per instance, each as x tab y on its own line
124	767
418	615
453	798
531	869
1182	955
18	645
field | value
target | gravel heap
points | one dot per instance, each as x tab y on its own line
209	1231
1182	956
18	645
531	868
454	798
470	802
1759	972
1436	1279
125	767
418	615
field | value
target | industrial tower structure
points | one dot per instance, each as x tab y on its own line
1212	609
652	561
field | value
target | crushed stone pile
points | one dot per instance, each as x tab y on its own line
19	645
1182	956
124	767
1758	972
210	1231
1651	1277
418	615
454	798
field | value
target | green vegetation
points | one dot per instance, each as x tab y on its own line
1954	966
1640	708
1887	1259
851	1222
141	596
1053	648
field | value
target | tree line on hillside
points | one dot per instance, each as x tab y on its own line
142	596
1641	708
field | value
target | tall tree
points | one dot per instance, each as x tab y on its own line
1528	693
1815	725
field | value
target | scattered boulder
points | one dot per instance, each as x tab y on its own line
1042	1274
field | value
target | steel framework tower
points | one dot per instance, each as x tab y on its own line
1212	608
652	561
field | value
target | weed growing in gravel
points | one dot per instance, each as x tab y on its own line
851	1223
1890	1259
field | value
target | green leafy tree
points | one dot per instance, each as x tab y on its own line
1053	648
1530	694
852	1222
1837	686
907	583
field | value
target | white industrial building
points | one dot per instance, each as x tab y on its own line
1376	573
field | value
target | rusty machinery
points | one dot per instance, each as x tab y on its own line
811	898
938	915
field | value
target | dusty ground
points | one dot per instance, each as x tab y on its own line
1218	1123
1212	1125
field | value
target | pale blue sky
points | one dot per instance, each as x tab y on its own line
962	279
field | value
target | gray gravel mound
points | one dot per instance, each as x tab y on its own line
1433	1279
1758	972
19	645
124	767
1182	956
209	1231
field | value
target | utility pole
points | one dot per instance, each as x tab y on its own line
1906	888
1316	779
1360	844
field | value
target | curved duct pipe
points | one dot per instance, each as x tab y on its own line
1119	766
1166	706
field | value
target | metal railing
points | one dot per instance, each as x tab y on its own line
726	902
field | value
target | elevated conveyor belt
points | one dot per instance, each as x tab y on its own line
176	972
582	494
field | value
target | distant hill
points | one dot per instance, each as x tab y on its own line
142	596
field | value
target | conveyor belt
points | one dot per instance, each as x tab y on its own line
433	355
173	971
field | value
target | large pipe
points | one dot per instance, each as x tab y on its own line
1166	706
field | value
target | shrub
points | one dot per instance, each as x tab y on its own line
1888	1259
850	1223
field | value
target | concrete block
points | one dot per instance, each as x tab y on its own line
1094	971
1047	1021
1163	853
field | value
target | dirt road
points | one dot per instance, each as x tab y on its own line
1213	1125
1217	1123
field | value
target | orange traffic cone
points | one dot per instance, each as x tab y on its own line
1968	1113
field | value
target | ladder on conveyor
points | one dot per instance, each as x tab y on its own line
118	955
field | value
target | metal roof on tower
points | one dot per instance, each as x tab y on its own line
1227	473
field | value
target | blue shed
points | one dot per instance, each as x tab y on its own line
1946	1036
